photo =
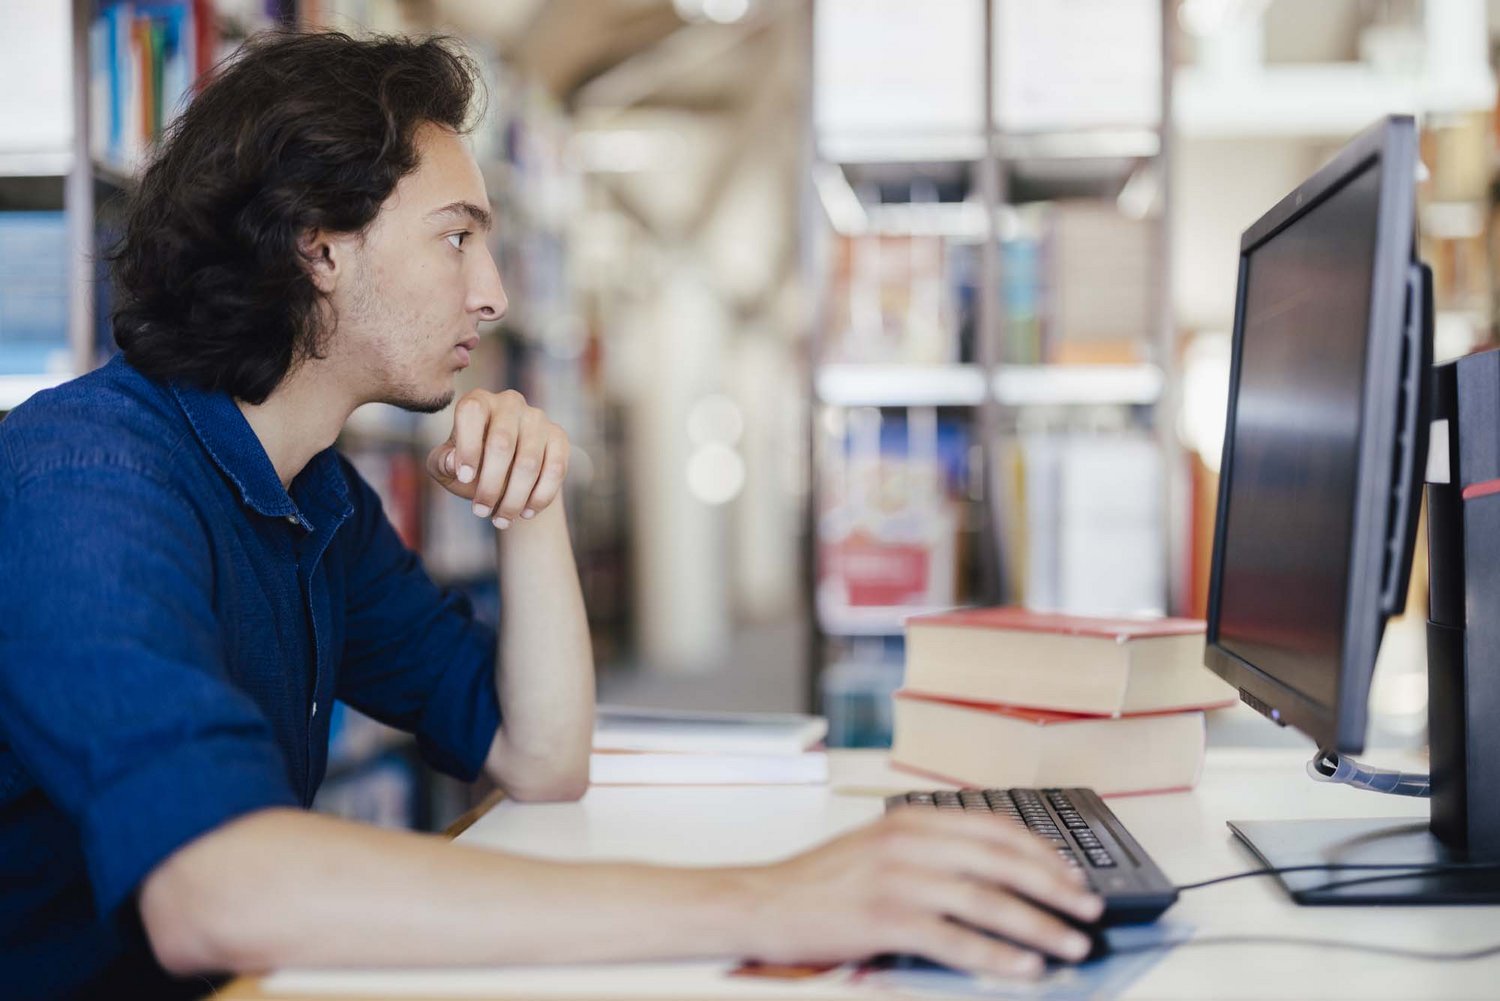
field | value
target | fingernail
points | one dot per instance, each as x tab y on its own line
528	513
448	461
465	474
1076	946
502	522
483	510
1092	906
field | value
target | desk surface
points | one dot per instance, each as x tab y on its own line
1184	832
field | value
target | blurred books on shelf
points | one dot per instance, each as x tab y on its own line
977	744
1099	268
910	74
857	690
1089	527
382	794
398	480
1079	65
1076	285
892	301
634	746
1063	663
388	447
144	59
1023	294
33	293
369	776
893	494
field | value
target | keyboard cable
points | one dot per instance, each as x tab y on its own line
1406	870
1398	952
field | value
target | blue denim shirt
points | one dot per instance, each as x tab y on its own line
174	628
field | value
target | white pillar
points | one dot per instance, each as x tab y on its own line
681	593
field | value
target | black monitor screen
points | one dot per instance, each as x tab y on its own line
1295	441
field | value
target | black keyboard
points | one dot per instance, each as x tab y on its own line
1086	834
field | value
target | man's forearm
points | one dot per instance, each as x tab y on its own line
545	665
285	888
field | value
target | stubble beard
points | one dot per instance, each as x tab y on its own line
368	306
421	405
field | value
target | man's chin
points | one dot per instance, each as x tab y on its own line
422	404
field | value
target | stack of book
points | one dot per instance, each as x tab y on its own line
670	747
1002	697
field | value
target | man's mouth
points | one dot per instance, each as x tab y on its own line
463	348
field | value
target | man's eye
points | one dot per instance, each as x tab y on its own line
457	239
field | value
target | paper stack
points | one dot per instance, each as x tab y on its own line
634	746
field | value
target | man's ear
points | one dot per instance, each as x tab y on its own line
323	256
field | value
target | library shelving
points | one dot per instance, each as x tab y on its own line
103	78
993	358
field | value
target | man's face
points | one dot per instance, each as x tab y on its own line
419	282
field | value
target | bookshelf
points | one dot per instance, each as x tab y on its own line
990	256
77	144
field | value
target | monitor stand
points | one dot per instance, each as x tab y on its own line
1385	841
1463	676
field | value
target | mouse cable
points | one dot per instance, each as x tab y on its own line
1393	951
1397	871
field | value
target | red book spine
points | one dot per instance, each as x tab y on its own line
950	780
206	31
1045	716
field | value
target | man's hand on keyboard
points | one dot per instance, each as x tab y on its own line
924	882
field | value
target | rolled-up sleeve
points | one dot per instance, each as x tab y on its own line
113	689
414	655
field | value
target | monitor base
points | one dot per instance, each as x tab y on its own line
1383	841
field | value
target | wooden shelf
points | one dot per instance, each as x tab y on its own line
1078	385
900	385
113	174
35	164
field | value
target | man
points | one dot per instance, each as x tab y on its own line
192	575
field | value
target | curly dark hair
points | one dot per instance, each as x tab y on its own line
298	131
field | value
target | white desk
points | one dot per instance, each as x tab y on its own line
1184	832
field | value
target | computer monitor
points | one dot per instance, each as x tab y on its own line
1310	557
1320	485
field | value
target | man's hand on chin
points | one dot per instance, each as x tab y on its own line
503	454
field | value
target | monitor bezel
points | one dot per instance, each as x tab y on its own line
1391	146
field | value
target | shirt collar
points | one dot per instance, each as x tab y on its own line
240	456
